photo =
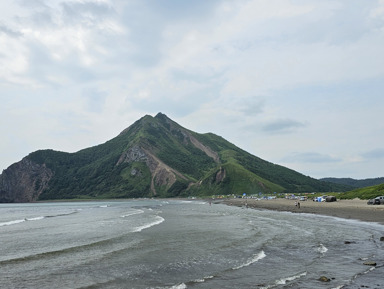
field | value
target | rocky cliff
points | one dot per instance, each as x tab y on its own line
23	181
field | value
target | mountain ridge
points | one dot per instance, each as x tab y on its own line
153	157
355	182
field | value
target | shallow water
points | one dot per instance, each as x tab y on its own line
179	244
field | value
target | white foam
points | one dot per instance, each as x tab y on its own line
136	212
194	202
203	279
284	281
12	222
253	259
35	218
322	249
158	221
179	286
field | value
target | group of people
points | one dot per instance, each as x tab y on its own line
297	204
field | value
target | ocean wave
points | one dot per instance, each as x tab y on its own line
14	222
321	249
284	281
38	218
35	218
177	286
157	221
63	214
203	279
194	202
253	259
136	212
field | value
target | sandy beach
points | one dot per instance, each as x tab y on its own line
348	209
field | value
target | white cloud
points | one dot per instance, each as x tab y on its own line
311	72
282	126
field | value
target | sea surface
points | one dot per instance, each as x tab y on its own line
181	244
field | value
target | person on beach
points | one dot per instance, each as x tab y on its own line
298	205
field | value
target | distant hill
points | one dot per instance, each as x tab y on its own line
355	183
154	157
364	193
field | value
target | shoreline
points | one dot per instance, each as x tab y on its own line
347	209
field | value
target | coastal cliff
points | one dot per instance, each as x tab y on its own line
23	181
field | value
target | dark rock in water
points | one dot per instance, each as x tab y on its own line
324	279
382	239
370	263
349	242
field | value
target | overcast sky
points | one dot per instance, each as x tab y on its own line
299	83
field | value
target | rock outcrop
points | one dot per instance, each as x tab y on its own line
23	181
162	174
324	279
370	263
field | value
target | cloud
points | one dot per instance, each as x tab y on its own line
95	99
309	157
374	154
8	31
283	126
257	72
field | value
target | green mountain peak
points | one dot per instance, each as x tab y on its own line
154	157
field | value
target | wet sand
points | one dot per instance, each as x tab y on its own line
348	209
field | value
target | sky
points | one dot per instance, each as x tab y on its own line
299	83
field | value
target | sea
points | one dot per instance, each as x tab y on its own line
179	244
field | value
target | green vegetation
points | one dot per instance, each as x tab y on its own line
364	193
106	170
353	183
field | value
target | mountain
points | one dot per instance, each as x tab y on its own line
154	157
355	183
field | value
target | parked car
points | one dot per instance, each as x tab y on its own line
330	199
381	199
373	202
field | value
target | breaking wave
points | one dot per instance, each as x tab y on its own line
14	222
284	281
132	213
250	261
157	221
